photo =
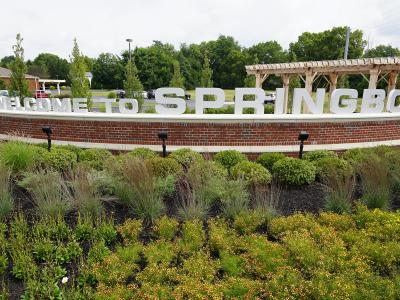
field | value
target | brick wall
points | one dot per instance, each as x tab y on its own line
204	133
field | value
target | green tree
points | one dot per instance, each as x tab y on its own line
227	61
206	73
6	61
177	79
77	74
328	45
2	85
132	85
56	67
382	51
108	72
18	84
270	52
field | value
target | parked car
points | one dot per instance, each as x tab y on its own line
39	94
270	98
151	94
4	93
120	94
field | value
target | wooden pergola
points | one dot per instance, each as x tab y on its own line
372	69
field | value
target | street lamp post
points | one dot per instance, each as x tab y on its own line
129	42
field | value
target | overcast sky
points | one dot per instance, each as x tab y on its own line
103	25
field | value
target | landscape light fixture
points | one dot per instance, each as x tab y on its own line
47	130
303	136
163	135
129	42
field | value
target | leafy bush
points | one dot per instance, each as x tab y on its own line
229	158
59	159
19	156
294	171
186	156
318	154
163	167
353	156
325	166
268	159
95	158
69	147
251	172
143	153
247	222
111	95
130	231
166	228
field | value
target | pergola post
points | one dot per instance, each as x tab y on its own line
285	81
392	81
333	77
373	78
258	81
310	75
44	86
58	88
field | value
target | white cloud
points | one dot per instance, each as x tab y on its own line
103	25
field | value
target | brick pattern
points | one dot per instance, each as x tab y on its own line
204	134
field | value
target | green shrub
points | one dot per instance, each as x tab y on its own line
166	228
52	87
247	222
59	159
229	158
63	87
251	172
71	148
186	156
19	156
95	158
318	154
332	164
268	159
353	155
294	171
143	153
111	95
163	167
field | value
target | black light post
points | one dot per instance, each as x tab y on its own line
47	130
129	43
303	136
163	135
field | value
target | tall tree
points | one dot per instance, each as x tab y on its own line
18	84
77	74
108	72
328	45
57	67
382	51
227	61
206	73
177	79
132	85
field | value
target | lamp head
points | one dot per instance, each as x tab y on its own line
47	130
163	135
129	40
303	136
